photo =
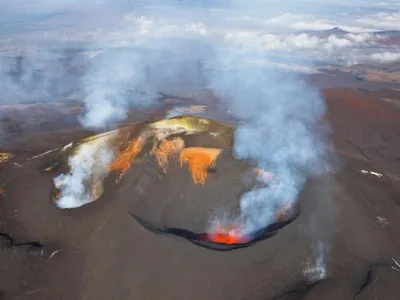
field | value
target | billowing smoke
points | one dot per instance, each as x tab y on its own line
87	168
280	130
119	80
114	83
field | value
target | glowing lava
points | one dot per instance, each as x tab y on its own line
229	235
199	161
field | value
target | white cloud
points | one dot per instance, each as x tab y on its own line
304	22
385	56
271	42
276	31
303	41
299	22
292	42
144	25
241	36
197	28
381	21
360	38
312	25
151	27
334	41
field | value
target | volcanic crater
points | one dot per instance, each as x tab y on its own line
175	176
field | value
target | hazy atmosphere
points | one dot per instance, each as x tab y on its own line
150	149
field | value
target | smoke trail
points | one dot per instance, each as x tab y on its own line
34	77
316	271
41	75
23	78
113	84
280	131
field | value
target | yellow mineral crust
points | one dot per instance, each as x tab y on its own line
5	157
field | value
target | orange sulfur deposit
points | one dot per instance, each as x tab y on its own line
199	160
167	150
124	161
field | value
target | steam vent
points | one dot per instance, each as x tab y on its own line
175	176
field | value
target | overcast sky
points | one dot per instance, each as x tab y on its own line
355	13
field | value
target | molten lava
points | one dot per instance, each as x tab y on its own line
167	150
199	161
229	235
124	161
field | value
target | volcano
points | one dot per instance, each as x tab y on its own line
146	234
177	176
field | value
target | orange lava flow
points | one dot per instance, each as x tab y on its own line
124	161
199	160
167	150
229	235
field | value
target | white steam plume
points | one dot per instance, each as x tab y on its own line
111	75
113	84
316	271
280	133
90	163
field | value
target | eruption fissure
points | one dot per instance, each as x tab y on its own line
222	239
